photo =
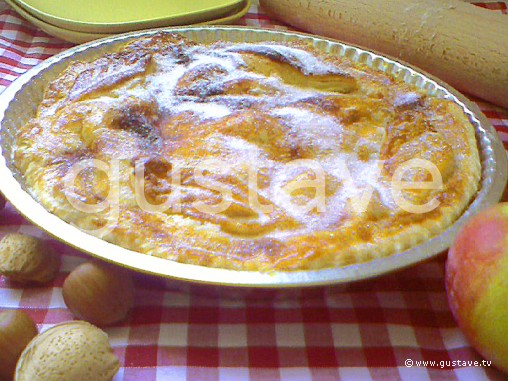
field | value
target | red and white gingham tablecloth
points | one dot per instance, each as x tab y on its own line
366	332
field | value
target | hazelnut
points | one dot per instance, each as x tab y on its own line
73	350
99	293
27	259
16	331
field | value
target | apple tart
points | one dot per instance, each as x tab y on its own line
247	156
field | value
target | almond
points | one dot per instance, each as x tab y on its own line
99	293
27	259
73	350
16	331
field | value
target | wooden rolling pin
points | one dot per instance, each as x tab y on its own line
460	43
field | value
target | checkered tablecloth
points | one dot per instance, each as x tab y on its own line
364	332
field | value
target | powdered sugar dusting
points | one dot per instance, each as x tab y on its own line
322	131
303	60
214	84
210	110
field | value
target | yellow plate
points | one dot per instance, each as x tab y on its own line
64	34
81	37
117	16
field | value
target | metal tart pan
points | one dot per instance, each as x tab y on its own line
19	102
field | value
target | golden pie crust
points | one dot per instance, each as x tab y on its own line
256	119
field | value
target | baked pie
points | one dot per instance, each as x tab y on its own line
247	156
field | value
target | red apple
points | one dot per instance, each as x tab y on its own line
477	283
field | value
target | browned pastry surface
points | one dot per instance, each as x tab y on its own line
258	120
